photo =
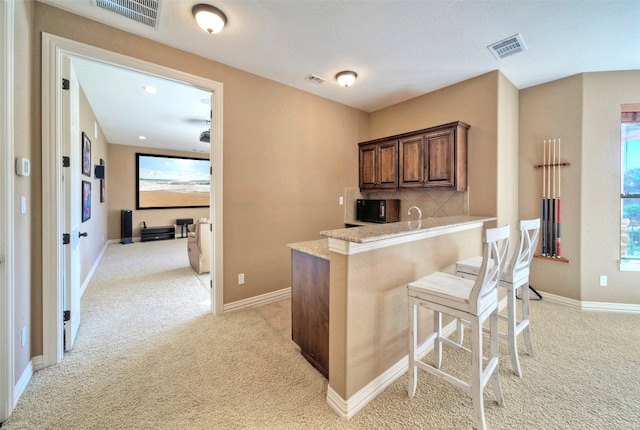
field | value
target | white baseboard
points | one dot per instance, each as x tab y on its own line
260	300
85	284
22	383
592	306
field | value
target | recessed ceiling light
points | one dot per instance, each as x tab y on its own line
149	89
142	137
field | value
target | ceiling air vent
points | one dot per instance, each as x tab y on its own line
315	79
143	11
509	46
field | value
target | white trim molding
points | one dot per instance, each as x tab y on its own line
592	306
260	300
8	395
53	49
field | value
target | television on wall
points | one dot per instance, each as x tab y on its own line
166	182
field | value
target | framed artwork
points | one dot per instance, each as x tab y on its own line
86	200
86	155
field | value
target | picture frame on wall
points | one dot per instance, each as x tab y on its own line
86	200
86	155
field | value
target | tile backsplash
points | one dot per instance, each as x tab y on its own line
432	203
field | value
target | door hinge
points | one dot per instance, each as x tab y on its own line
66	316
211	227
66	238
66	161
66	84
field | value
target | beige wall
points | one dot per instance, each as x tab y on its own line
121	192
553	111
604	93
92	245
27	230
583	111
507	162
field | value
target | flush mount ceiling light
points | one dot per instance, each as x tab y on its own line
209	18
346	78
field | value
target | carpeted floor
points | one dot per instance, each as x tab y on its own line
149	356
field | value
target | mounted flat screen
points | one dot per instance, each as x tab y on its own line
165	182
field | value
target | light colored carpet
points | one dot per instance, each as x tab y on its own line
149	356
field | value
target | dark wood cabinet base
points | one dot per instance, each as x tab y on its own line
310	308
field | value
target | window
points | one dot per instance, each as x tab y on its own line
630	189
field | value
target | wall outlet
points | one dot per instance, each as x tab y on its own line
23	336
340	200
240	278
603	281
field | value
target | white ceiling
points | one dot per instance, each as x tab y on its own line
400	49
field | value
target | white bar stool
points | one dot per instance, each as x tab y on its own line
514	276
473	301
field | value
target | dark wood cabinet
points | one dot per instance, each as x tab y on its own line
310	308
435	157
379	165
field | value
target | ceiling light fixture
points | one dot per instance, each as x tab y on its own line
346	78
209	18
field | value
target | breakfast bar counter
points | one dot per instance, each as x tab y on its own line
370	267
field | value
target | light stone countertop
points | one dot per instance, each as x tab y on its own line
372	233
318	248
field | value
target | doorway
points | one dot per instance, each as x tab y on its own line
54	49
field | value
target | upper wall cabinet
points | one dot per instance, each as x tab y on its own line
435	157
379	165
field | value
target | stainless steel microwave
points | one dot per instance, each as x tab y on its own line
378	211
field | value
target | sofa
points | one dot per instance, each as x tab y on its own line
198	246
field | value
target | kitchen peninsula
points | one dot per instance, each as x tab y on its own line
369	268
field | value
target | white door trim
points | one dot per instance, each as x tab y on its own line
53	47
7	270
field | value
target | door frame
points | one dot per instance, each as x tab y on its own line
7	269
53	48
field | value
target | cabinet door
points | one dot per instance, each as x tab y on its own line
439	159
368	162
388	165
412	162
379	165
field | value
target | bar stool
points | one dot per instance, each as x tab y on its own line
514	276
473	301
